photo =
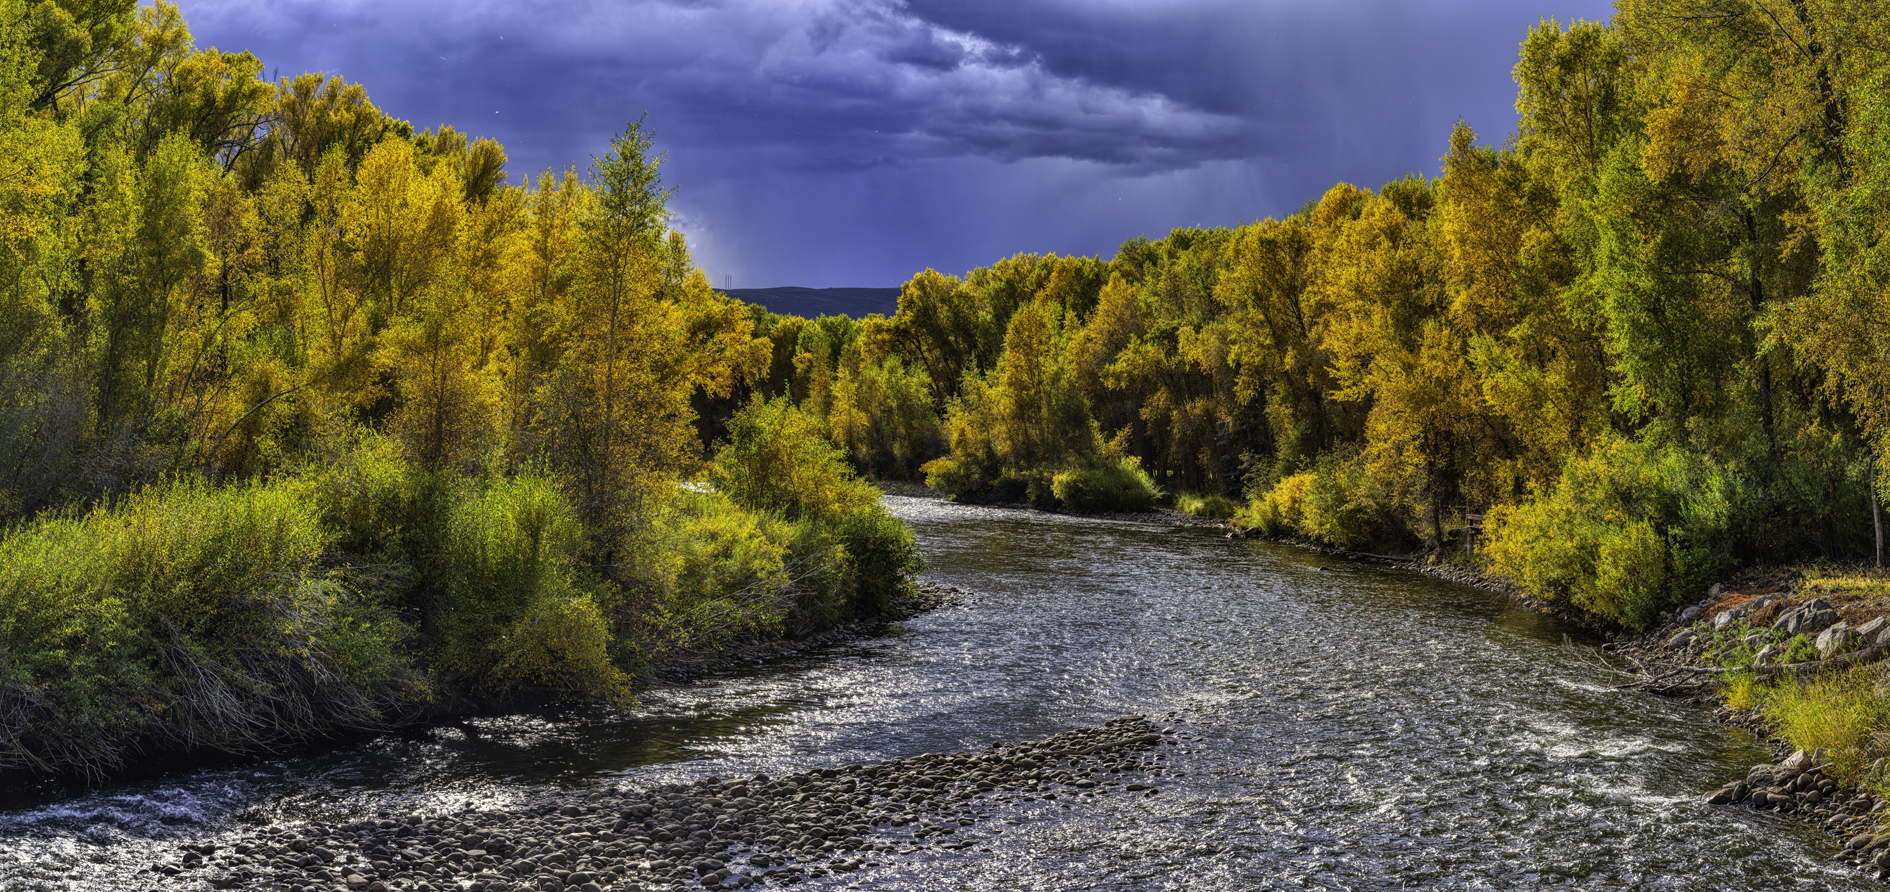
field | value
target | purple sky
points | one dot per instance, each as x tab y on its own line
855	142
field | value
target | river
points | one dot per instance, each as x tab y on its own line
1343	726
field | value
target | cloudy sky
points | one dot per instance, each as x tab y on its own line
855	142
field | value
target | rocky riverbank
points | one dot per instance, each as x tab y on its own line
1770	625
713	834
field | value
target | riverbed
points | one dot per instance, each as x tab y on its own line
1339	726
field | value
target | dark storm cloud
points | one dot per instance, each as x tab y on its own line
854	141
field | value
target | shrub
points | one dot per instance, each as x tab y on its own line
882	554
510	546
776	459
186	615
1330	503
562	642
1627	531
1111	482
710	570
1212	506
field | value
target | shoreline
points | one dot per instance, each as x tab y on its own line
927	596
671	671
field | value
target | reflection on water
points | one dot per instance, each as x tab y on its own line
1344	728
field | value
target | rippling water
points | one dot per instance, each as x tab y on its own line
1344	728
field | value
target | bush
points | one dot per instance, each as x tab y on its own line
1628	531
882	554
1212	506
1111	483
510	547
562	642
1331	504
776	459
709	570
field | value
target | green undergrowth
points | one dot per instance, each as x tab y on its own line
1212	506
368	591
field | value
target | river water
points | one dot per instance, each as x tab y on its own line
1343	726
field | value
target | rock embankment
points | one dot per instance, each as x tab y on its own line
711	834
1798	785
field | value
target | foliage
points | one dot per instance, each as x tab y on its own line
1212	506
776	459
1628	531
187	615
1331	503
1108	483
346	421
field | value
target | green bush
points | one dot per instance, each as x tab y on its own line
777	459
511	546
1332	503
710	570
1212	506
882	555
1112	483
1628	531
561	642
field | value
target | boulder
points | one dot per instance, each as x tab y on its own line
1801	761
1765	653
1836	640
1877	631
1682	639
1727	618
1807	619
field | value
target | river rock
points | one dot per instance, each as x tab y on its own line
1836	640
1807	619
1682	639
1875	632
1801	761
1765	653
701	834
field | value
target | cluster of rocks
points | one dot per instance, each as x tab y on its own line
1798	784
1815	617
711	834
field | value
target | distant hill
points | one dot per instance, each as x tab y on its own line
811	302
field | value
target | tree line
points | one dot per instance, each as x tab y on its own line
1641	337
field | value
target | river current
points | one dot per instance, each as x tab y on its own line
1343	726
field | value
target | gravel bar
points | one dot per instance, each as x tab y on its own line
711	834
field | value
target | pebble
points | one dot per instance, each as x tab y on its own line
714	833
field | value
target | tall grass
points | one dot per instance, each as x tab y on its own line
185	615
1837	712
369	591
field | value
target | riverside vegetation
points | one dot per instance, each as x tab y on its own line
309	422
